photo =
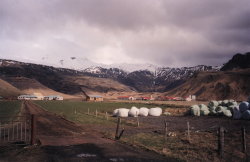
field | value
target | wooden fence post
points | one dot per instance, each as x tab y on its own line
244	146
33	129
106	114
221	142
96	112
137	117
121	133
188	132
88	111
165	134
117	127
0	131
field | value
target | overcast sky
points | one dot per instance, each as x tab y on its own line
163	32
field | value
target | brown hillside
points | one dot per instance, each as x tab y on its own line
8	90
216	85
30	86
93	85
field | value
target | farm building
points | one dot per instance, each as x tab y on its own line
143	98
190	98
53	97
35	96
126	98
94	98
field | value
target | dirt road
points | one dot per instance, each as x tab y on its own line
63	140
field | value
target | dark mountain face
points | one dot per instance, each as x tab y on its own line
239	61
161	80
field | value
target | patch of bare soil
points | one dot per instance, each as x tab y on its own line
63	140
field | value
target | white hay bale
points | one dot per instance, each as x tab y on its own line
157	111
122	112
134	111
219	102
203	109
115	112
195	110
219	110
212	108
246	115
227	113
224	102
243	106
143	111
232	103
236	113
213	104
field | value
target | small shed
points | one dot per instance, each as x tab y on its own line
94	98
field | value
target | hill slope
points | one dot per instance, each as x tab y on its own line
216	85
8	90
47	79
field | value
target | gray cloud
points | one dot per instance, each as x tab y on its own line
170	33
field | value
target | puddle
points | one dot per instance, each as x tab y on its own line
85	155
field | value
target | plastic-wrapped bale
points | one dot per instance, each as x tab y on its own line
248	99
213	104
231	108
203	109
246	115
227	113
157	111
236	113
143	111
243	106
115	112
232	103
123	112
195	110
134	111
213	108
219	102
224	102
219	110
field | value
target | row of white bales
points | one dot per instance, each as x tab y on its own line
229	108
134	112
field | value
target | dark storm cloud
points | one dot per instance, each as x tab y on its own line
167	32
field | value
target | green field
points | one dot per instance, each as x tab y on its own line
77	111
9	108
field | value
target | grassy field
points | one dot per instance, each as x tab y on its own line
77	111
9	108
